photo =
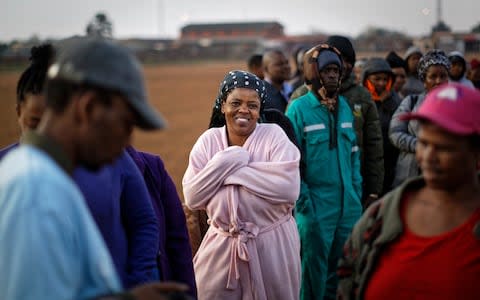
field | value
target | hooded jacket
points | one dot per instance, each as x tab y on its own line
386	108
403	135
463	79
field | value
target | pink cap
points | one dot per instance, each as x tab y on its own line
452	106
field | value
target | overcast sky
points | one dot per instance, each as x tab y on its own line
163	18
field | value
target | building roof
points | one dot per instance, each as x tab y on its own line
231	26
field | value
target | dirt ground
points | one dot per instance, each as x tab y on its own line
184	94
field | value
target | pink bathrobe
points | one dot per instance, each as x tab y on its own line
252	248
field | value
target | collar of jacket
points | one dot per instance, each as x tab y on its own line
347	84
390	210
391	103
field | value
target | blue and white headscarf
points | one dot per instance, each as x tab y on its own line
236	79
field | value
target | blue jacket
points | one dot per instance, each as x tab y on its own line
174	252
51	248
119	203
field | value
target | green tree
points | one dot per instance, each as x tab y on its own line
100	26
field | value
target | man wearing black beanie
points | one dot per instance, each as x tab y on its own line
367	124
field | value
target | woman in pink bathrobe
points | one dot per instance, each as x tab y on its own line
246	176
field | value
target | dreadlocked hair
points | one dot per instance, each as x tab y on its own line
33	78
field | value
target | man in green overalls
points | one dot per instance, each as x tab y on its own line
329	202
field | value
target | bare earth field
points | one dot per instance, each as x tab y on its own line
184	94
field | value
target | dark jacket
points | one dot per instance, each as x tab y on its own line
369	135
368	131
174	252
275	99
386	108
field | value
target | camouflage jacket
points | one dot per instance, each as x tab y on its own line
379	225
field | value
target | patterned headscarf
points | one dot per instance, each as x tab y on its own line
432	57
236	79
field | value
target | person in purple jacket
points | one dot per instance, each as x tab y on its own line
120	205
174	253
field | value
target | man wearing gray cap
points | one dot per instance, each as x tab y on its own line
51	248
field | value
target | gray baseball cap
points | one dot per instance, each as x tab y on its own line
102	63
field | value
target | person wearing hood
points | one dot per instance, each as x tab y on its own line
459	69
331	186
378	79
366	124
413	85
433	71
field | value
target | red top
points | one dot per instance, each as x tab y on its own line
446	266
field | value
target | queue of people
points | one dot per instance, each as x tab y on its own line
338	189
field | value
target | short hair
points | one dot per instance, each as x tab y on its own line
32	79
255	60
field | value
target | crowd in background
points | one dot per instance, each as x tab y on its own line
321	175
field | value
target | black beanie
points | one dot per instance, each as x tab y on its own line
395	61
345	47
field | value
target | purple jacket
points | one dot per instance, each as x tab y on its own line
120	205
174	254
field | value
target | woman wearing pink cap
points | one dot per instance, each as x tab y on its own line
422	241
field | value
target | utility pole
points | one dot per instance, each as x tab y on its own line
439	11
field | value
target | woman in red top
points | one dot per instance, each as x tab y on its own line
422	241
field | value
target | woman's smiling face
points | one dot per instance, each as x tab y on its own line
242	111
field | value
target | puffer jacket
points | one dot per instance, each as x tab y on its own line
403	135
